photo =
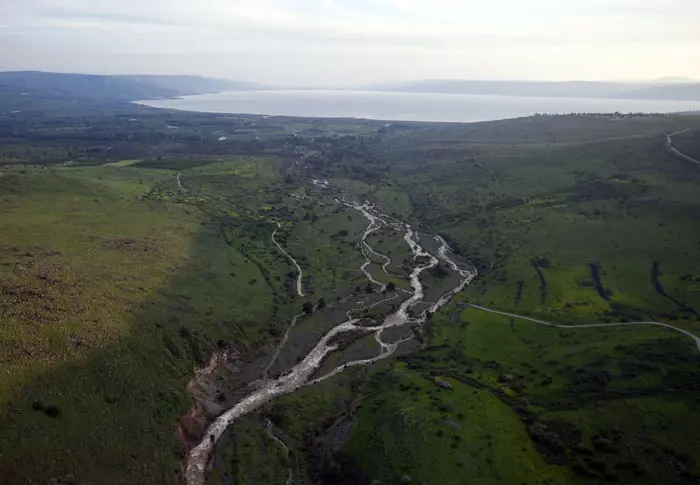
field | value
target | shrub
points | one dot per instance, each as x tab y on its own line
52	411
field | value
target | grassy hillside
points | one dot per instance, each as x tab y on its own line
117	283
586	231
574	232
114	288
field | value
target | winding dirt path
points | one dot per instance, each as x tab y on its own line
594	325
675	151
281	345
300	274
179	182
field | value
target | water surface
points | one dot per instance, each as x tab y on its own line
381	105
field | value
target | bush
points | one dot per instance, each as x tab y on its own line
52	411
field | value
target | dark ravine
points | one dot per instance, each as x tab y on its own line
655	273
543	282
603	292
519	292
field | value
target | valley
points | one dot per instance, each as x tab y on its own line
348	302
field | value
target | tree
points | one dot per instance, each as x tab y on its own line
321	303
391	286
368	288
308	308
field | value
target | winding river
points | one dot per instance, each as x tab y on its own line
375	223
301	374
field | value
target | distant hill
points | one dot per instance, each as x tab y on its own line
674	80
678	91
124	88
187	85
570	89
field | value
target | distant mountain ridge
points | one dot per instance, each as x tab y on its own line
118	87
188	85
568	89
674	80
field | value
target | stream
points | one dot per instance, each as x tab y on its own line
375	223
285	448
301	374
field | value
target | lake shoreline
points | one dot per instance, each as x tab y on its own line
407	107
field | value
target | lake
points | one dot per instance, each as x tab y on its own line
394	106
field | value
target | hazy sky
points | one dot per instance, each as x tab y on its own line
346	42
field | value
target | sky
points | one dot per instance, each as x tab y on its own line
342	43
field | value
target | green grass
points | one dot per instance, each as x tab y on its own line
101	268
251	456
412	428
324	242
506	376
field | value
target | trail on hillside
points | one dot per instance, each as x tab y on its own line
300	274
593	325
179	182
281	345
675	151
